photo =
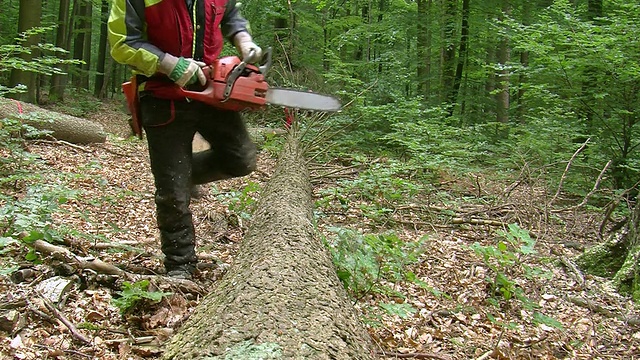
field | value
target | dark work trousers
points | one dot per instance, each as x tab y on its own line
170	127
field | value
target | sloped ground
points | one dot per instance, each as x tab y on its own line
113	213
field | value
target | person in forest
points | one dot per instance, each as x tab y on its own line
167	43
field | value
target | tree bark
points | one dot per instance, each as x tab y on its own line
423	49
462	55
58	81
29	18
619	257
98	90
448	48
86	55
63	127
503	56
282	297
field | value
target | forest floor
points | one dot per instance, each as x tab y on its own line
452	312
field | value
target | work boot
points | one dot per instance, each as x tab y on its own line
184	272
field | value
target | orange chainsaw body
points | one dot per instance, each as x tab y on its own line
246	92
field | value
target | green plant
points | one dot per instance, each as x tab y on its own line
505	260
368	263
30	218
241	202
13	131
46	63
135	294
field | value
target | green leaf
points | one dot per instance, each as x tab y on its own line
402	310
540	318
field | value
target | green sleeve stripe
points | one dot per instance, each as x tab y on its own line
127	37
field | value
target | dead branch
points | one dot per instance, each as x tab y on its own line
566	171
58	315
99	266
413	355
70	258
573	268
586	198
475	221
597	308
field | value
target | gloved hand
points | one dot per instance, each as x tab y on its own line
244	44
182	71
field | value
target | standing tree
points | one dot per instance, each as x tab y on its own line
29	18
99	88
58	81
462	53
502	80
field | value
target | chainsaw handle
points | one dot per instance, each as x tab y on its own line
207	95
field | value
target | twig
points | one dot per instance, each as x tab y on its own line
74	331
597	308
474	221
574	270
67	351
413	355
566	170
485	355
595	188
62	142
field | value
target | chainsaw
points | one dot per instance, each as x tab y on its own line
238	84
235	84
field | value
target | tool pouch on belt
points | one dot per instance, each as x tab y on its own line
130	90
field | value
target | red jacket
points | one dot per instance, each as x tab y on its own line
142	31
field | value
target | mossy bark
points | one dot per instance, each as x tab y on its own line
619	257
281	299
62	127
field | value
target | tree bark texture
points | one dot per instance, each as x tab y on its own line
98	89
29	18
63	127
503	56
58	81
281	299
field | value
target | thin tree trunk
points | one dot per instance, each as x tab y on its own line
503	56
524	63
86	47
448	48
462	54
102	51
423	48
58	81
281	298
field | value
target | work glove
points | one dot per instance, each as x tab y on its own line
244	44
182	71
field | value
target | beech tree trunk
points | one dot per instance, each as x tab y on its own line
503	56
29	18
58	81
281	299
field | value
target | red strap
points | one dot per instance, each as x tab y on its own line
289	117
19	106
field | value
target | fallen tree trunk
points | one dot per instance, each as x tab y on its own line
281	298
63	127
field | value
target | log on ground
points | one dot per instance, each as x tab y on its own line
62	127
281	298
